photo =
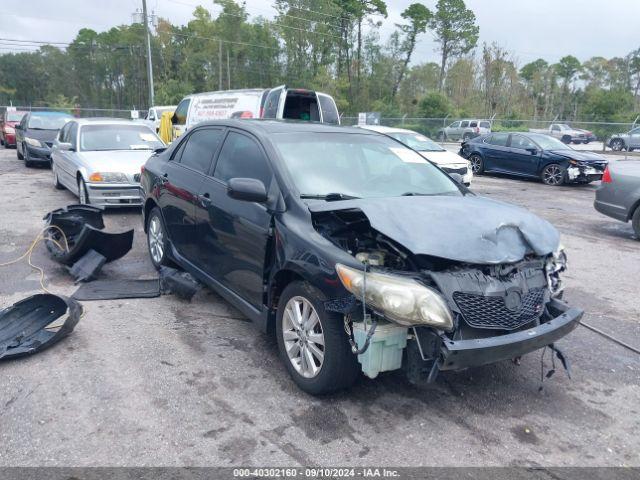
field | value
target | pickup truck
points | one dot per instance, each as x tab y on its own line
564	132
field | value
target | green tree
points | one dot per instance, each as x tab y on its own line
435	105
455	30
419	17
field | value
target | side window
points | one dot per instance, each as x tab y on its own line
181	112
72	135
635	131
199	148
241	157
555	128
271	104
523	143
329	110
473	124
464	124
454	125
498	139
63	135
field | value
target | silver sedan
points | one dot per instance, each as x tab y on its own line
619	193
99	160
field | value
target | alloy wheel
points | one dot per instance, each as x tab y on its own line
617	145
156	240
303	337
552	175
476	163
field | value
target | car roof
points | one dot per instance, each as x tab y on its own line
264	126
107	121
49	113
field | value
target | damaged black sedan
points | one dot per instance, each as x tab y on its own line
356	252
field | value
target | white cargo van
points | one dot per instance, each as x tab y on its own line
277	103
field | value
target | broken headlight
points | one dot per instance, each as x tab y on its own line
401	300
556	264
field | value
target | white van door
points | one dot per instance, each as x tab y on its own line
328	109
274	104
179	118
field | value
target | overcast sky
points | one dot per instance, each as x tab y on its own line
529	28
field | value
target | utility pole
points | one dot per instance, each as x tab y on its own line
149	62
219	65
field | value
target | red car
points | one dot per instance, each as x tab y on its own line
8	122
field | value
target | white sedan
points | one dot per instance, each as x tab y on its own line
447	161
99	160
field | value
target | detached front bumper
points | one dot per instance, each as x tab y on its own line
114	194
460	354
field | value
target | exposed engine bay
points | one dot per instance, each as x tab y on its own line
484	301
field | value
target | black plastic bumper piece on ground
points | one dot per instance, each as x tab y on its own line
82	226
23	326
117	289
88	267
459	354
179	283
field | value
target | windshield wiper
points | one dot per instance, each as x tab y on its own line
329	197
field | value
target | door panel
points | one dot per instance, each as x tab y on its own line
235	233
496	152
181	183
520	160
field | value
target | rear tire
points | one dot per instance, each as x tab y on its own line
477	164
566	139
339	368
635	222
56	182
157	241
553	175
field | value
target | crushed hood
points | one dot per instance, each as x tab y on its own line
467	229
581	155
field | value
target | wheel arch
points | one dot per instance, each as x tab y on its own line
633	209
277	284
149	205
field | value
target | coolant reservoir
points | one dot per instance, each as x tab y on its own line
385	350
374	258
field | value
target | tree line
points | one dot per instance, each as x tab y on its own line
333	46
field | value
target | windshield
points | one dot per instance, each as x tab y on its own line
14	116
549	143
357	165
118	137
564	126
160	111
48	122
417	142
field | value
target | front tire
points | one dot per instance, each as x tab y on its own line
157	242
83	195
477	164
553	175
617	145
312	342
566	139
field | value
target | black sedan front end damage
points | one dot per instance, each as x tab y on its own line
452	309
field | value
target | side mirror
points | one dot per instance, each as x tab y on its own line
532	151
247	189
18	127
457	178
65	146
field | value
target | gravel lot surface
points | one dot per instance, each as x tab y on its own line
166	382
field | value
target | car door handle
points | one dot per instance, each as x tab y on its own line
205	199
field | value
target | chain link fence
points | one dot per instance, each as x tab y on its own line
80	112
432	126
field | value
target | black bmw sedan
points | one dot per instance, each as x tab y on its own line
533	155
354	251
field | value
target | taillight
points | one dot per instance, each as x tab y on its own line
606	176
141	169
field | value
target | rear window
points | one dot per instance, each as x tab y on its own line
485	124
301	106
14	116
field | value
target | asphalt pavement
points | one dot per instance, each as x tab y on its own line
164	382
